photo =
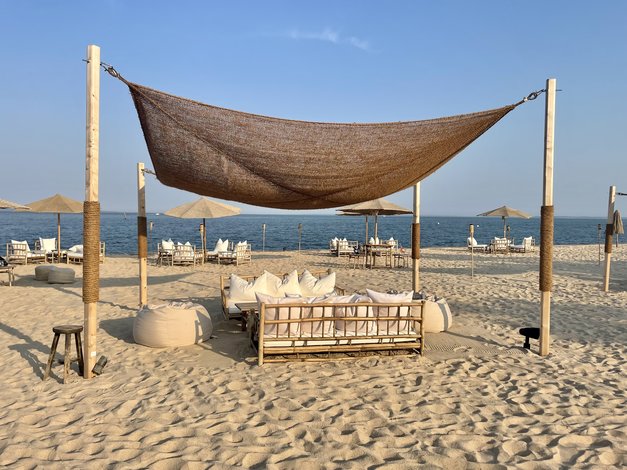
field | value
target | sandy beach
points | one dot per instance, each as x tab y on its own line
210	405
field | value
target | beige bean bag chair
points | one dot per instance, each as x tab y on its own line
171	325
42	272
437	316
61	276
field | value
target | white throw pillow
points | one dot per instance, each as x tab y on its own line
240	290
310	286
279	329
167	245
283	287
385	327
48	244
76	249
188	244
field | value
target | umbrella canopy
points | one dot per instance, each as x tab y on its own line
57	204
375	207
504	212
203	208
4	204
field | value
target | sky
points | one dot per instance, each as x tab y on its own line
349	61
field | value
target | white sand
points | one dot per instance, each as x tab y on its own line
211	404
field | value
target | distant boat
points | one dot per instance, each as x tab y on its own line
125	216
156	213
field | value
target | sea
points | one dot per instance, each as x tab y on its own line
289	231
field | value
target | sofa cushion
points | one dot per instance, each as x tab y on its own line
283	287
240	290
311	286
15	242
385	327
285	313
48	244
352	328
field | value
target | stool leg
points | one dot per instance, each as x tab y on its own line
79	352
53	350
527	344
67	360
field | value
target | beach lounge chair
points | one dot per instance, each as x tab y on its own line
242	253
75	254
471	243
346	247
220	246
185	254
18	252
47	246
524	247
500	245
164	252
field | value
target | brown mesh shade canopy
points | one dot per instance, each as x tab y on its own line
289	164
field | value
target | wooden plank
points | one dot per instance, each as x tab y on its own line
141	212
416	220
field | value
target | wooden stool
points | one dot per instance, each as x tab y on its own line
68	331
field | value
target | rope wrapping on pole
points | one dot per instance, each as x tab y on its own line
142	237
609	230
91	251
415	241
546	248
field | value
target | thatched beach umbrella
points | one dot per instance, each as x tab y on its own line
375	207
504	212
57	204
203	208
4	204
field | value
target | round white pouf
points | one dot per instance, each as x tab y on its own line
42	272
61	276
171	325
437	316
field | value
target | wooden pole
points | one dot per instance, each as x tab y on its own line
91	192
263	237
142	236
599	242
300	231
609	230
367	232
58	237
546	223
204	240
415	240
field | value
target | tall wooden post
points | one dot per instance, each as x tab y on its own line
300	233
142	236
415	240
546	221
91	211
58	237
471	231
263	237
609	230
204	240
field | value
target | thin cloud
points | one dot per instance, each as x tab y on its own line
329	35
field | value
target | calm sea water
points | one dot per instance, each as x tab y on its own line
119	230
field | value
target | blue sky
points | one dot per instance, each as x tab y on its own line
349	61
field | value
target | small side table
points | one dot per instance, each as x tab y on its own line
247	308
9	270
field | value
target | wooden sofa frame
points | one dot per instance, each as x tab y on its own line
291	347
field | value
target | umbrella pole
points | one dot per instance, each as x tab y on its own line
204	240
366	240
91	212
609	230
58	237
546	221
415	240
142	236
504	227
376	227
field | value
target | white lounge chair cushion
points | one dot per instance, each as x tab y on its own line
311	286
371	241
391	326
283	287
48	244
171	325
15	242
240	290
281	329
436	316
352	328
76	249
61	276
167	245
